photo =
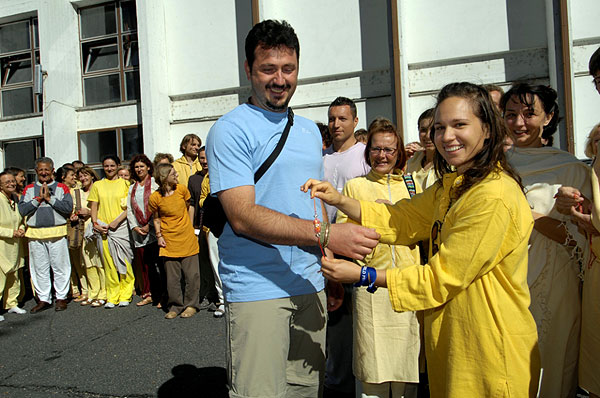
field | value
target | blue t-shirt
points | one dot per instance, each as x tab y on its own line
238	143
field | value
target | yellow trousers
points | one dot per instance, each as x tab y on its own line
78	273
118	287
10	289
96	283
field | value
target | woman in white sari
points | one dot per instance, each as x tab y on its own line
585	212
558	249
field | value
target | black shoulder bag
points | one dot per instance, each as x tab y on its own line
214	216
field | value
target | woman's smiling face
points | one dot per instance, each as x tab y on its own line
459	134
526	122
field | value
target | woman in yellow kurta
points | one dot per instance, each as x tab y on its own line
386	343
480	338
12	231
421	164
89	251
108	204
177	241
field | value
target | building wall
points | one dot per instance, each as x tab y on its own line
192	54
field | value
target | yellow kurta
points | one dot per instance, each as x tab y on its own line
426	177
183	168
480	338
11	251
386	343
589	352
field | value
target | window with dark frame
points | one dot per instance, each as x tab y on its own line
19	56
125	142
109	53
22	154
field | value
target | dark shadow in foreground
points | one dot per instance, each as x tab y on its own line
190	381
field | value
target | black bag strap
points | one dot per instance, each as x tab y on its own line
267	163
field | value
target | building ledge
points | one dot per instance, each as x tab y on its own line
19	117
106	106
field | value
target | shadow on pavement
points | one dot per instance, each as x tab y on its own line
190	381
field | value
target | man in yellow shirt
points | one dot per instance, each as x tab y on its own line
189	163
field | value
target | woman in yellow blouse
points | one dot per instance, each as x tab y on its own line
12	231
480	338
386	343
177	241
108	205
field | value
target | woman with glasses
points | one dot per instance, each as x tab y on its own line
12	231
480	338
386	343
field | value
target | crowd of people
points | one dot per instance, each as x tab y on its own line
98	242
482	239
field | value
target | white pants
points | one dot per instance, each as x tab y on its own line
46	253
213	255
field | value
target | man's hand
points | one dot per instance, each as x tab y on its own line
338	270
567	198
84	212
351	240
113	225
74	217
161	242
45	193
18	233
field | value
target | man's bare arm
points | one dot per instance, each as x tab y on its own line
258	222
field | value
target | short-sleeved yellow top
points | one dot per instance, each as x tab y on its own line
175	224
111	196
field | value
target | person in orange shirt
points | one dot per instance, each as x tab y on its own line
177	241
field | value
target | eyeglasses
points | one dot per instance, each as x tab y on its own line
376	150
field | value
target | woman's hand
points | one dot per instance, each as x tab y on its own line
322	190
113	225
566	198
84	212
338	270
74	217
584	221
18	233
384	201
140	231
162	242
146	229
413	148
103	229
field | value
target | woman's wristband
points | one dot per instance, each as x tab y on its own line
368	276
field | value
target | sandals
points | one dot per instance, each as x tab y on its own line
98	303
87	301
80	298
145	301
189	312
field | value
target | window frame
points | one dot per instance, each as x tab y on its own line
33	55
122	69
40	151
118	137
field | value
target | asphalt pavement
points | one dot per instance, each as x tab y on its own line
122	352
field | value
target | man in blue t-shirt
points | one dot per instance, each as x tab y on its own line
269	255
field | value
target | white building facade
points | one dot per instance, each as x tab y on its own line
85	78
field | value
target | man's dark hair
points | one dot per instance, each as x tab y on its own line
594	65
341	101
270	34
